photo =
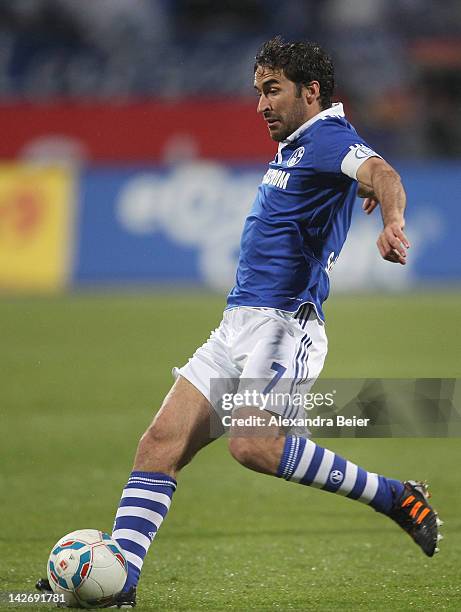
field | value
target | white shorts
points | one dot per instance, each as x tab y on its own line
262	349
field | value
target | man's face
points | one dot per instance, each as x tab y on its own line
283	110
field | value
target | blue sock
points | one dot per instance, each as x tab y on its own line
144	504
306	462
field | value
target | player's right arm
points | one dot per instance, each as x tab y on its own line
385	183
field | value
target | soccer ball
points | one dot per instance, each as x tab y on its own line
87	567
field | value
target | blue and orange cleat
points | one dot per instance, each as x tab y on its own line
413	513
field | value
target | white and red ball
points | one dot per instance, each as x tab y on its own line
87	567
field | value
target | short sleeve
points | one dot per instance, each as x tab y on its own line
339	149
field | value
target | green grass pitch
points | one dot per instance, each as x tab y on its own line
81	376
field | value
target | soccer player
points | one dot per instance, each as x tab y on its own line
273	328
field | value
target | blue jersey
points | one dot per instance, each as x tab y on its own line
300	217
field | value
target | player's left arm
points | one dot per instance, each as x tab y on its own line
370	201
365	192
384	182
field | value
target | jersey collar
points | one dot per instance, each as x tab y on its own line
336	110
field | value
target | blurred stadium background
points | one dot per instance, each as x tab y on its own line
131	148
130	151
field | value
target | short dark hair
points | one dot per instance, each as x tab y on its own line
301	62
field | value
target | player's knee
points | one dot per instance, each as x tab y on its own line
242	450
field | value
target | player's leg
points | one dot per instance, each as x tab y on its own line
299	459
185	424
180	429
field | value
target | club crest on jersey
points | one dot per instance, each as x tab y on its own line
296	157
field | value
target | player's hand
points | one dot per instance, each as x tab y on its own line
369	204
393	244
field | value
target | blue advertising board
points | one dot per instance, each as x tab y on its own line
109	249
182	224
